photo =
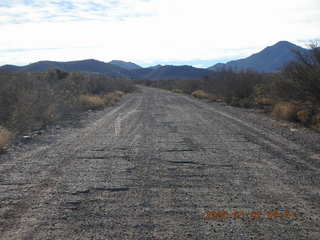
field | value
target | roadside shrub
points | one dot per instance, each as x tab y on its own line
119	93
5	136
111	99
92	102
285	111
200	94
32	100
240	102
215	98
304	116
179	91
316	121
264	101
233	101
246	103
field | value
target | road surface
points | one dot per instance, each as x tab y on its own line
162	166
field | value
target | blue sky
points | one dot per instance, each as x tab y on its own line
148	32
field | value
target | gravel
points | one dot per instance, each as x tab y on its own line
154	166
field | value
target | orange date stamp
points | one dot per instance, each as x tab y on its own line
256	215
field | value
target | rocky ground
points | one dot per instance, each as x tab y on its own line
164	166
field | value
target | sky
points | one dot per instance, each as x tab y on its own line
149	32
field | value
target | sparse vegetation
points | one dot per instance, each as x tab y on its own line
112	97
92	102
180	91
304	116
30	101
316	121
5	137
200	94
293	94
285	111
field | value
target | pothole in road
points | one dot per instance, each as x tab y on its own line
119	189
184	162
84	191
112	189
201	165
179	150
121	148
102	157
98	150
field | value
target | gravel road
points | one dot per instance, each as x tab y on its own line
154	166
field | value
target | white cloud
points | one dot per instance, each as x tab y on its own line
152	30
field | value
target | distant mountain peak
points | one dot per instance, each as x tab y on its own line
286	44
156	66
125	65
270	59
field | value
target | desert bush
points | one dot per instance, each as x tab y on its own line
246	103
200	94
31	101
179	91
240	102
316	121
5	136
112	98
215	98
264	101
231	84
92	102
119	93
285	111
304	116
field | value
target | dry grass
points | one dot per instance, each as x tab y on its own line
200	94
179	91
119	94
304	116
92	102
264	101
214	98
112	98
316	121
285	111
5	136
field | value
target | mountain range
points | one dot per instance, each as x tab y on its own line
114	68
270	59
89	65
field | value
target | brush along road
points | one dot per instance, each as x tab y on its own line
164	166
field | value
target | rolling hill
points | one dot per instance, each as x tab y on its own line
170	72
128	70
89	65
